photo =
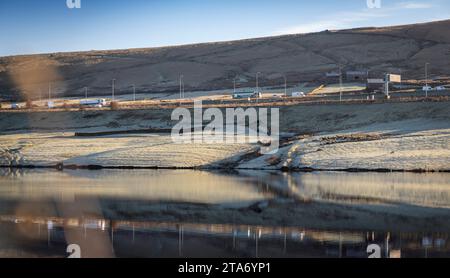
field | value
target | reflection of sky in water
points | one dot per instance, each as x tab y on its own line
180	186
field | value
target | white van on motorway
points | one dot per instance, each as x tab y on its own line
298	94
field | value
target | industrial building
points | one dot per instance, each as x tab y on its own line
383	84
359	76
332	77
375	84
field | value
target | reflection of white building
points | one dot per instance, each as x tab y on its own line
395	254
93	224
427	242
439	243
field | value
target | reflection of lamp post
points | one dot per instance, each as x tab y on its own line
112	236
49	229
426	79
257	235
180	240
388	237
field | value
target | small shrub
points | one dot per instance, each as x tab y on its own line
115	105
29	104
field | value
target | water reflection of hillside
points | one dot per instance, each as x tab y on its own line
171	186
427	190
214	214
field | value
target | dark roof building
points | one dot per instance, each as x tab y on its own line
357	75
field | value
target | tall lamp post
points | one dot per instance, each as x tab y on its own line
113	88
340	83
257	81
426	79
181	86
134	92
49	91
285	85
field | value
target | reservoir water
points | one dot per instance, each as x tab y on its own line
167	213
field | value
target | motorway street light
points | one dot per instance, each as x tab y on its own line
86	93
49	91
426	79
257	81
285	86
184	96
181	86
340	83
134	92
113	88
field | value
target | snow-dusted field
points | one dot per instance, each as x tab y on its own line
396	136
135	150
427	150
380	149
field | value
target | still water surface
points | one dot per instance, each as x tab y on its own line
113	213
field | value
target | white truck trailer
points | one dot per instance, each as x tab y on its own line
94	102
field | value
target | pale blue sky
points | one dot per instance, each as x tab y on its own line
43	26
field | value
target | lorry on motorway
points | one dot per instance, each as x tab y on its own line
245	95
99	103
440	88
298	94
50	104
15	106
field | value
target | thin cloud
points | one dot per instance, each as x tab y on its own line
338	21
345	20
414	5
